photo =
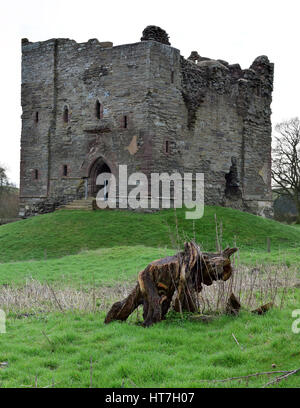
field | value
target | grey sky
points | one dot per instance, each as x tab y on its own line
236	31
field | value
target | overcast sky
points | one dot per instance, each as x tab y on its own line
236	31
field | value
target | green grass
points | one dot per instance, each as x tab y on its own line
174	353
105	248
102	267
68	232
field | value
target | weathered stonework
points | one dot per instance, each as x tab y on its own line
91	105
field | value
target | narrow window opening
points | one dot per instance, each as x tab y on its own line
36	117
36	174
66	114
172	77
125	122
65	170
98	110
167	146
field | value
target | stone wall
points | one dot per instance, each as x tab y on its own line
146	106
229	117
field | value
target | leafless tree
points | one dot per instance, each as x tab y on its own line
286	161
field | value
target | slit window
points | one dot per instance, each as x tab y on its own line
98	110
36	118
167	146
65	170
172	77
66	114
36	174
125	122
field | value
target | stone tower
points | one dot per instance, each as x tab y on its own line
89	107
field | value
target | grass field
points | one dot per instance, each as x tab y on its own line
175	353
90	259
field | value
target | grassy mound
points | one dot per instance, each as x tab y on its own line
68	232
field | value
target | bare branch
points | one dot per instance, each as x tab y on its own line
286	159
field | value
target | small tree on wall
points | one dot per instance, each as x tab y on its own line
286	161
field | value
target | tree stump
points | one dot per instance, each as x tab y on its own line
184	272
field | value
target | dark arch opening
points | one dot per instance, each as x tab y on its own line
99	166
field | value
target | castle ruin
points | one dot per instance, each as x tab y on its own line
90	107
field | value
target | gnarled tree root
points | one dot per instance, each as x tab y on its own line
185	272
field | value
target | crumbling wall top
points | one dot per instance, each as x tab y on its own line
155	33
93	41
261	68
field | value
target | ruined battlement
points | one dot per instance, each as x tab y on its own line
93	106
30	45
201	74
261	70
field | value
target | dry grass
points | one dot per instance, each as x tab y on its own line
253	286
42	298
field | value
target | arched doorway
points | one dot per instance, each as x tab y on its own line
99	166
